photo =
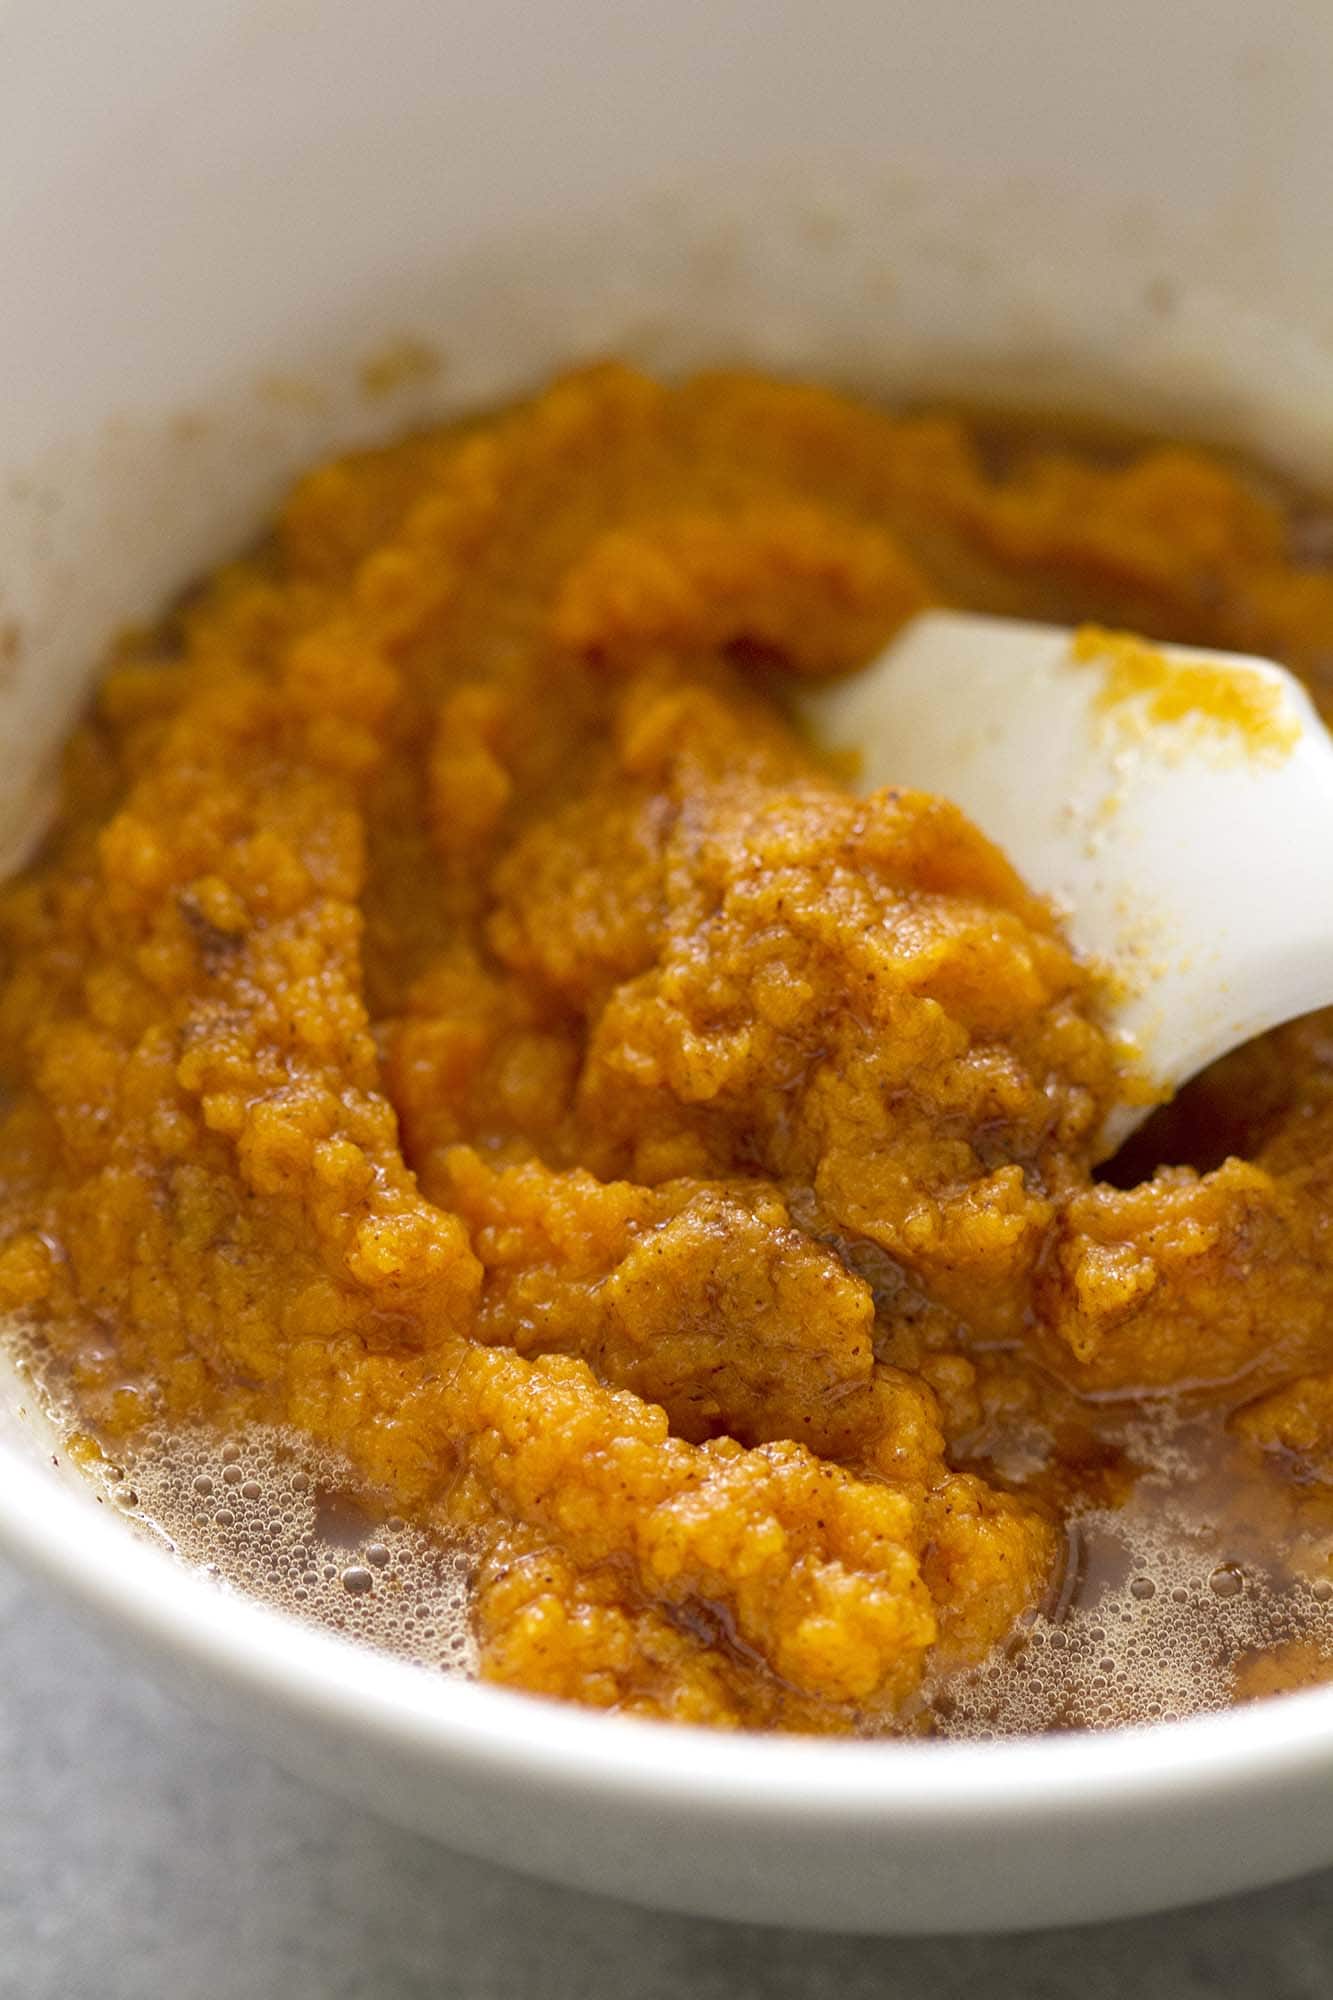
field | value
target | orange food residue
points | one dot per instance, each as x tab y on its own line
1236	703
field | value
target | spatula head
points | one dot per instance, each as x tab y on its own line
1175	804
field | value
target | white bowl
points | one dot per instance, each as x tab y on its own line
210	216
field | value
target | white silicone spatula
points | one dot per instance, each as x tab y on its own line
1176	805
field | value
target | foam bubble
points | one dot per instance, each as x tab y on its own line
1165	1621
268	1514
1160	1614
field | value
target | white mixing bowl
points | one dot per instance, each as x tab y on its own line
212	216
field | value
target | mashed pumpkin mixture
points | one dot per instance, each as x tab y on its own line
457	1019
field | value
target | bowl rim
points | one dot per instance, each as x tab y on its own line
499	1733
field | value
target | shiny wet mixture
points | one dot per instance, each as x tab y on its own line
458	1020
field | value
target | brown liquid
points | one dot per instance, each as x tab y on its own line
266	1514
1172	1603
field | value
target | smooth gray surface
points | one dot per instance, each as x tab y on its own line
143	1854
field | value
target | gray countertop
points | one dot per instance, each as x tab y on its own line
144	1854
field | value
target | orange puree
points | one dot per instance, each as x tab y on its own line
457	1017
1237	706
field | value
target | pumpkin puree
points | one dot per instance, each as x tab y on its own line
458	1017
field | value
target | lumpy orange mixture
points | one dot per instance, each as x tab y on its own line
458	1017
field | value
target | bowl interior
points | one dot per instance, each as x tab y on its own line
241	257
